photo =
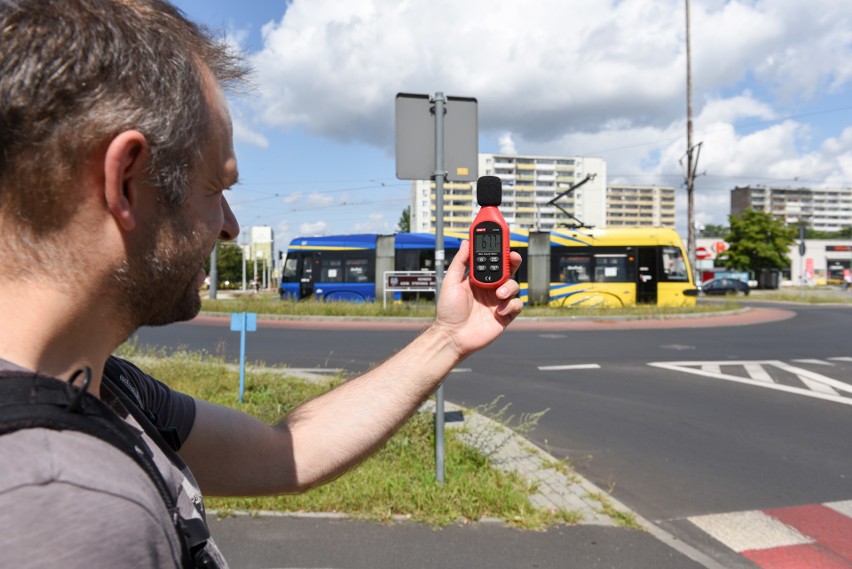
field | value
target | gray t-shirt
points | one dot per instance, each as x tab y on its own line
71	500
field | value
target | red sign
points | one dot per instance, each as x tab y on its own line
702	253
719	246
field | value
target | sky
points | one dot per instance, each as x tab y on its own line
315	136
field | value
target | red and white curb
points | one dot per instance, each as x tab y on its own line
816	536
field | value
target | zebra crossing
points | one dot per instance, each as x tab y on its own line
796	376
807	536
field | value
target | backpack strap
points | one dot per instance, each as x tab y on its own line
120	387
29	401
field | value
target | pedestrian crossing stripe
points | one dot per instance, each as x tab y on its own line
814	535
814	384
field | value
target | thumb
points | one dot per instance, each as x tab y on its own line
456	270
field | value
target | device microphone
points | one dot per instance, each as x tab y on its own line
489	236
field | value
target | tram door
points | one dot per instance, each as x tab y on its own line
646	282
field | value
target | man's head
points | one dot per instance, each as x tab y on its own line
75	77
76	73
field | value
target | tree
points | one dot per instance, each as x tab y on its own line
229	263
404	223
718	231
758	240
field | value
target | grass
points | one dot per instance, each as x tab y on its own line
807	296
270	304
399	480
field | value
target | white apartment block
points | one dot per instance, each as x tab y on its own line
823	209
531	182
640	206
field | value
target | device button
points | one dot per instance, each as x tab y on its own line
495	268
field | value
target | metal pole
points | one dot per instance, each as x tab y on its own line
690	175
243	249
214	272
439	175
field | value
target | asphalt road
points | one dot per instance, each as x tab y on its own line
676	423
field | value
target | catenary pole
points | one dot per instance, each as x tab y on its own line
690	167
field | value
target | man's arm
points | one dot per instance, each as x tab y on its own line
231	453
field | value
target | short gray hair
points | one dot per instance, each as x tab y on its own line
75	73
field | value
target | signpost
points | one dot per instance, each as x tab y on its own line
243	322
426	143
408	281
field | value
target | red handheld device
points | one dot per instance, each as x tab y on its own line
489	237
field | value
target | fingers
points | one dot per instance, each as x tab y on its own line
515	262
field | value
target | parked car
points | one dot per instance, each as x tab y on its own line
724	286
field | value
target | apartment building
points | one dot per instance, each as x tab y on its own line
530	183
823	209
638	206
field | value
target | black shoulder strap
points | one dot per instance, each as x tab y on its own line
28	401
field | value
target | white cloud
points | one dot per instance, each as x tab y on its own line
313	228
242	133
588	77
375	223
315	199
507	145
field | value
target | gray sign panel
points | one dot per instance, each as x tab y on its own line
415	138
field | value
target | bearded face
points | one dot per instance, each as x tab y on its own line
159	282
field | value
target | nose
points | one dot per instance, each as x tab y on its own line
230	227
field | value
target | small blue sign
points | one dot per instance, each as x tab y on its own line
243	322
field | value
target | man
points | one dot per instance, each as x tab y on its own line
115	149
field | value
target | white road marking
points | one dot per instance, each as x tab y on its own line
461	370
814	362
568	367
757	373
742	531
844	507
819	386
842	359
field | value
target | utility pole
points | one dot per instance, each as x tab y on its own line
690	165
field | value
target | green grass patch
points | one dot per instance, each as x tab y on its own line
399	480
270	304
807	296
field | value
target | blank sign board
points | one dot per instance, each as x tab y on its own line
415	138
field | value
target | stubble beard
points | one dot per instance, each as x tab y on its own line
158	283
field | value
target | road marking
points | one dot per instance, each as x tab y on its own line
842	359
814	362
757	372
816	385
568	367
461	370
742	531
813	535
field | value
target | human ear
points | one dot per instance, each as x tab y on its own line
125	164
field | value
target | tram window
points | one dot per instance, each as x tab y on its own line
575	268
674	265
290	266
356	271
611	268
330	271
